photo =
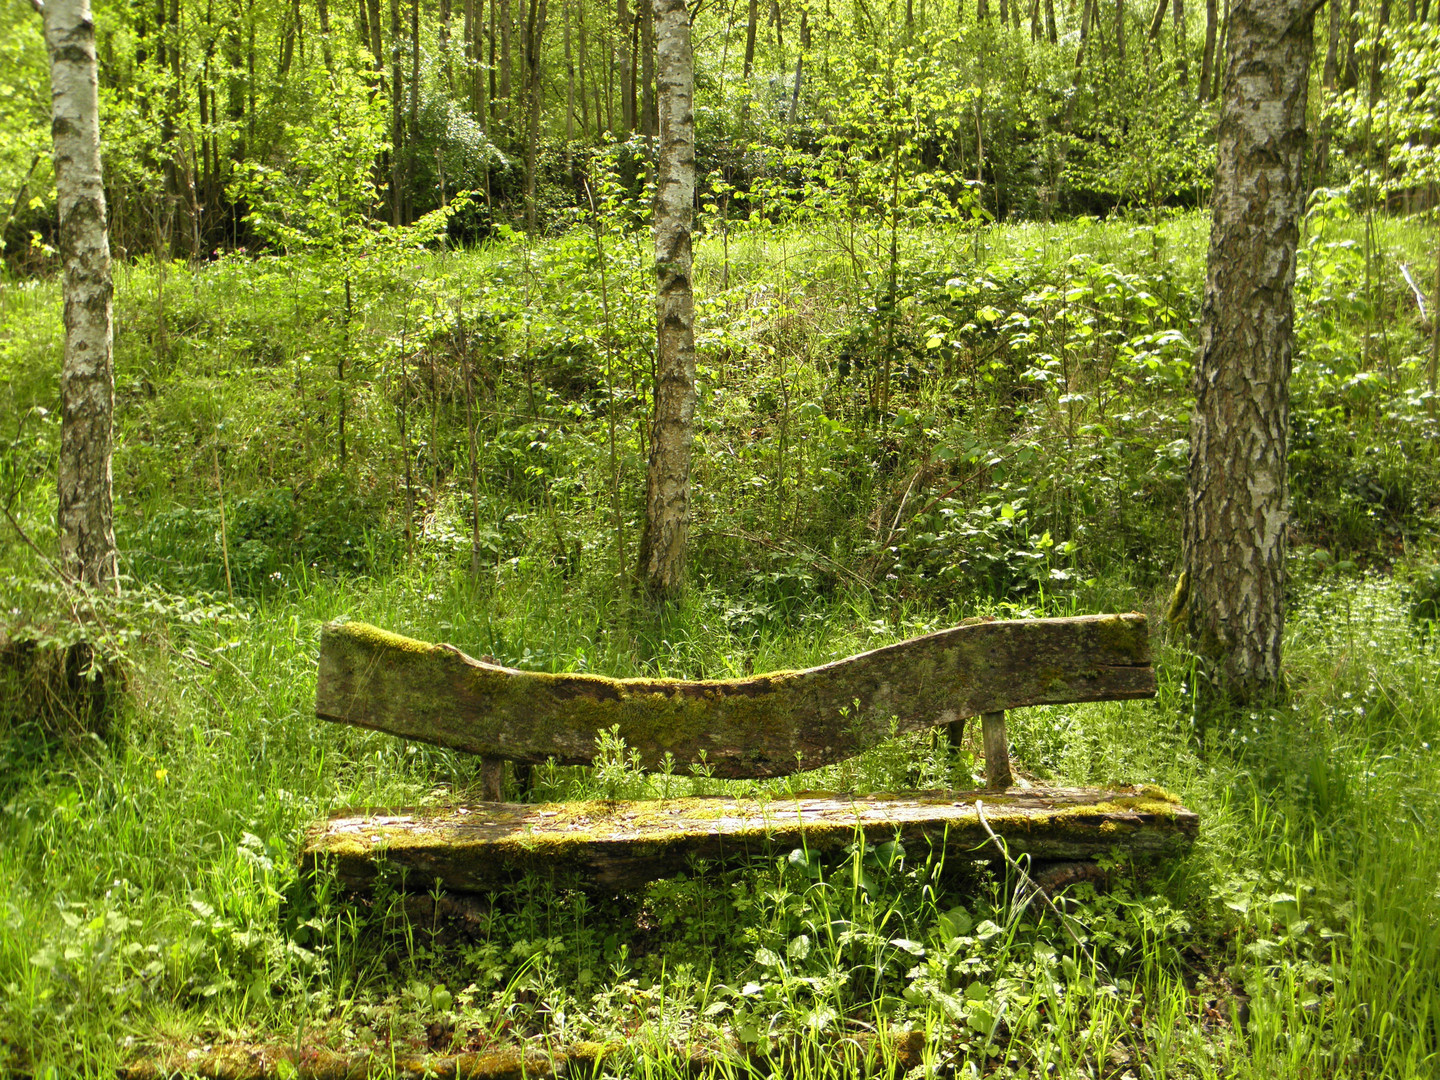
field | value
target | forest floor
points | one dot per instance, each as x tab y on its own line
1003	434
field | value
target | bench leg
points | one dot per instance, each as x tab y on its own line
997	751
492	779
955	733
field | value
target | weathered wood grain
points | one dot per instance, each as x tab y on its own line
769	725
618	845
997	751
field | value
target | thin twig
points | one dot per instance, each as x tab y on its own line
19	197
1036	890
224	542
25	537
804	549
904	499
1419	296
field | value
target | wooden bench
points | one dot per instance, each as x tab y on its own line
770	725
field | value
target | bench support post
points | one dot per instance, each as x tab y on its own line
955	734
492	779
997	751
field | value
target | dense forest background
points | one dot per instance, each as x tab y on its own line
223	122
384	346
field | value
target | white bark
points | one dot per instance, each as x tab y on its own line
1236	515
667	485
87	383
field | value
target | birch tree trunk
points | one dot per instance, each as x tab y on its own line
1351	78
534	36
322	8
1329	73
87	381
1207	58
649	121
569	84
1234	541
506	25
667	482
624	63
397	120
752	20
1379	53
1182	63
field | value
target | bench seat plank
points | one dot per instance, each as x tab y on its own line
480	846
770	725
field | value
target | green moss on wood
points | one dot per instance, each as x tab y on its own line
617	842
1126	635
770	725
376	638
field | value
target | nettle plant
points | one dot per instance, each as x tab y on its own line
319	209
1145	158
1091	364
1361	365
888	156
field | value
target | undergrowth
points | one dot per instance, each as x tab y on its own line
1027	459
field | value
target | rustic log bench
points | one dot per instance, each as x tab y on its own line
767	726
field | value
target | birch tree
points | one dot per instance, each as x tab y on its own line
87	381
1234	542
667	483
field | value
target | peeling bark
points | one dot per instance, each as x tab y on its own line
87	382
1236	514
667	481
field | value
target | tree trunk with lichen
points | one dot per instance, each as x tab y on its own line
619	845
667	482
769	725
87	382
1234	542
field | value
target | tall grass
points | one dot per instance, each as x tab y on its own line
149	891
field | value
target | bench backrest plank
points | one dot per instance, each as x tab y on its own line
769	725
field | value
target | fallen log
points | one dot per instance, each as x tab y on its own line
770	725
619	845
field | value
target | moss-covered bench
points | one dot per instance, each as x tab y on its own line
770	725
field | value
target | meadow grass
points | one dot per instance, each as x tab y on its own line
152	892
149	890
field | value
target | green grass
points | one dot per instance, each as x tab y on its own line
151	886
149	893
